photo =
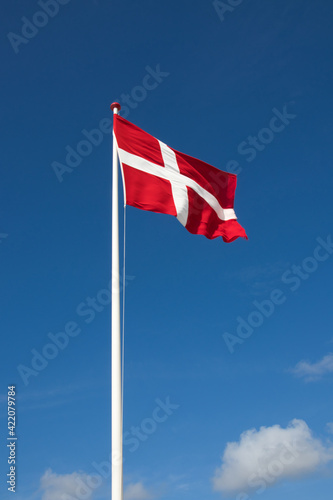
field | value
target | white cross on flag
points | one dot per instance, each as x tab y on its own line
160	179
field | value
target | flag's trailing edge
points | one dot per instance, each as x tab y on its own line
160	179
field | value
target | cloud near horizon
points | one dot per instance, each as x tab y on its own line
262	458
78	485
314	371
136	491
65	486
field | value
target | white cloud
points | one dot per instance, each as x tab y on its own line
136	491
73	486
262	458
329	427
314	371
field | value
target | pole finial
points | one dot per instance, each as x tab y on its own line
115	106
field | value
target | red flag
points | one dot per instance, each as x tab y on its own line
160	179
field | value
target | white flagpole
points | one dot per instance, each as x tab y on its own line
116	396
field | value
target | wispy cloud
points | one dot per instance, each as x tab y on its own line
260	279
56	486
31	400
329	427
262	458
47	399
79	485
314	371
180	481
137	491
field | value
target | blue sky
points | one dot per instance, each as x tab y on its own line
196	381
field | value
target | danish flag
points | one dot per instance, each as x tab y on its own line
160	179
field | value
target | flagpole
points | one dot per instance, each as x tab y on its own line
116	396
